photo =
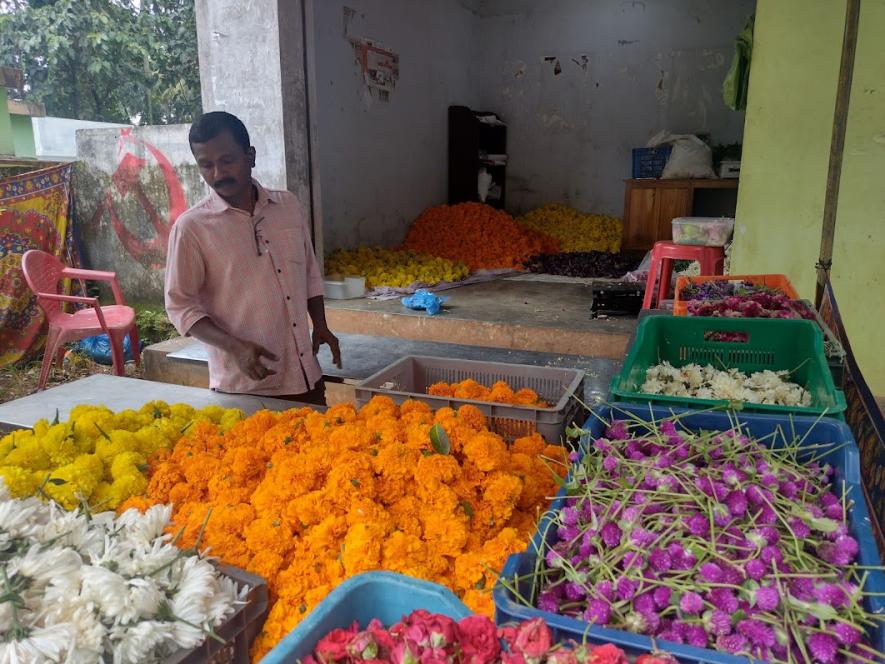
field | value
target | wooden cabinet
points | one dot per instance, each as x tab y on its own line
651	205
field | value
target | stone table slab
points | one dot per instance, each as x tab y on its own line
363	356
119	393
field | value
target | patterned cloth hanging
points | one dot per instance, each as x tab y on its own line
35	213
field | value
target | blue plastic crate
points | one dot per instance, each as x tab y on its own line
650	162
382	595
845	461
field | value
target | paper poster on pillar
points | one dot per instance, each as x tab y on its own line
380	67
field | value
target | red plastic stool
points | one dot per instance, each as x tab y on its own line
712	260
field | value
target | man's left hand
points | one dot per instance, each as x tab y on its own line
324	336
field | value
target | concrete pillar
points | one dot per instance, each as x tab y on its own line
252	64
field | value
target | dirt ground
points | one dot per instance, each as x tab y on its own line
20	380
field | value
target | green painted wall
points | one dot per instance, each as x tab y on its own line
789	119
23	136
7	146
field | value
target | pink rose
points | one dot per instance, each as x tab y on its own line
362	646
419	633
383	638
442	630
435	656
563	657
333	646
418	615
479	640
607	654
404	652
507	634
533	638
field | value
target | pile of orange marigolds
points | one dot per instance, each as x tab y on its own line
306	499
478	235
500	392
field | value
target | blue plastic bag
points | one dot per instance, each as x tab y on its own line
424	299
99	349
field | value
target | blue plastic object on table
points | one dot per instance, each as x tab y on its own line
382	595
845	461
423	300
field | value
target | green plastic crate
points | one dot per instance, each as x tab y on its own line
794	345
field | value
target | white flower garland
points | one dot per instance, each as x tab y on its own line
693	380
76	587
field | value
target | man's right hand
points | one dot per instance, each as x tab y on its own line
248	358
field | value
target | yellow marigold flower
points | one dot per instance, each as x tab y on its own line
59	445
127	463
28	454
20	482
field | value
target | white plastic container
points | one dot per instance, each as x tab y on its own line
349	289
335	290
703	231
355	286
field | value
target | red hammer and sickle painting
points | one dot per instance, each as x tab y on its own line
150	252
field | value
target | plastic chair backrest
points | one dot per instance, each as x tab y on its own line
42	272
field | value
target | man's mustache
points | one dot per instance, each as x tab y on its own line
222	183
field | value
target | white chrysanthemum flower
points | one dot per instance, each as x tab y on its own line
107	589
143	561
652	386
143	601
21	518
43	644
191	603
135	643
145	528
88	644
43	565
227	598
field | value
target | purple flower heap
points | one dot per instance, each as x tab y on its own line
741	299
712	540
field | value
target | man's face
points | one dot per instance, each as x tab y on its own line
224	165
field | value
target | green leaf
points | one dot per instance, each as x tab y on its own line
468	508
824	525
55	419
481	584
439	439
355	482
57	481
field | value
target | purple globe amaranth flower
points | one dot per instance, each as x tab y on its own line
662	595
835	512
631	514
664	461
670	635
839	552
685	562
756	569
847	634
691	603
668	428
737	503
721	515
802	588
634	560
574	591
604	590
694	635
660	560
768	480
574	457
547	601
610	534
723	599
732	644
767	598
698	525
799	527
586	550
598	612
759	634
705	486
762	466
636	622
642	538
653	508
617	430
770	535
645	603
841	531
610	464
718	622
649	482
789	490
632	446
754	496
767	516
569	516
554	559
732	476
829	498
831	594
823	647
568	533
636	456
815	511
711	573
602	445
772	555
626	588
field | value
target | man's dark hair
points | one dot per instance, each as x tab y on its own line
209	125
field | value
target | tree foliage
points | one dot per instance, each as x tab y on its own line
111	60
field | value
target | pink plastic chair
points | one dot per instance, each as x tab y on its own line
43	272
712	260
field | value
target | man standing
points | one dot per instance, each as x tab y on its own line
242	277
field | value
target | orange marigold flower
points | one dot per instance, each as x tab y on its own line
487	451
440	390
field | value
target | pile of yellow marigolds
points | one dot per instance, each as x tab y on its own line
575	230
307	499
97	458
397	268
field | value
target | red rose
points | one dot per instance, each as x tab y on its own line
404	652
479	640
512	658
507	634
435	656
362	646
333	646
383	638
533	638
607	654
418	615
419	633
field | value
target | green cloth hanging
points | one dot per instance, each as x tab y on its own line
737	81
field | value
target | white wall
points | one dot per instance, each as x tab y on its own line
382	162
56	138
652	65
